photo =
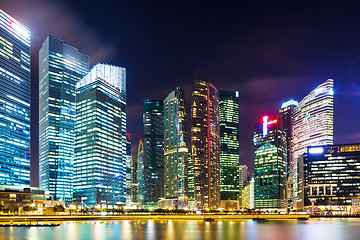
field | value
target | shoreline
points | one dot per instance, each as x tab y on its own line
150	217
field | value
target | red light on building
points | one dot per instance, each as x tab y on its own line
272	122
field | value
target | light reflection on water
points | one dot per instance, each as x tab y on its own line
329	229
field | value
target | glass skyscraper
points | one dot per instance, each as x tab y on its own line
312	126
14	102
101	142
61	66
269	164
153	121
205	143
175	148
190	177
229	142
286	125
140	177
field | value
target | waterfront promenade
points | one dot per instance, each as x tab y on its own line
142	217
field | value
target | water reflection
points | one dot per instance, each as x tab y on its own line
190	230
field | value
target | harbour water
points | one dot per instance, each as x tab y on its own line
329	229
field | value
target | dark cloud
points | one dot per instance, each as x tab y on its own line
61	21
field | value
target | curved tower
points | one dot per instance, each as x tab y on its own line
312	125
175	147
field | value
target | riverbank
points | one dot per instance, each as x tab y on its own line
133	217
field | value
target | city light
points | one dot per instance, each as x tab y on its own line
316	150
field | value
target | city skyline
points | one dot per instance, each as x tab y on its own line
276	78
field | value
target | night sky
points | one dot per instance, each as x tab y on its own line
267	51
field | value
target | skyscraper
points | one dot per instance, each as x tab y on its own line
269	164
100	143
61	66
153	150
175	148
205	143
14	102
140	173
134	180
190	177
128	169
244	172
229	142
286	122
312	126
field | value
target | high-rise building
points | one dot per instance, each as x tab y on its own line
175	148
190	177
312	126
286	122
244	174
128	169
153	150
61	66
140	173
134	179
229	145
330	177
14	102
205	143
100	143
269	164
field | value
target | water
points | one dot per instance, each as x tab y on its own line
328	229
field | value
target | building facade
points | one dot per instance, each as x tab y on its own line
153	121
190	177
128	169
205	143
140	173
244	175
14	102
269	164
312	126
175	148
100	143
286	122
330	177
229	145
61	66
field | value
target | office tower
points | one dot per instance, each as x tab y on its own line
61	66
286	121
229	145
134	179
100	143
153	150
128	169
14	102
331	177
190	177
175	148
244	173
269	164
140	173
312	126
205	143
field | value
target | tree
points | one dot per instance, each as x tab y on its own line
29	208
59	208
